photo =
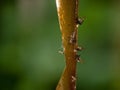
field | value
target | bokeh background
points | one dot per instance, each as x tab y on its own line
30	39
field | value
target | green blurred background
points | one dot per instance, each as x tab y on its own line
30	39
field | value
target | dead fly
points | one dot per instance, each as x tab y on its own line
79	21
61	52
78	58
79	48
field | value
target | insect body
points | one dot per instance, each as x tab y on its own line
79	48
78	58
80	21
